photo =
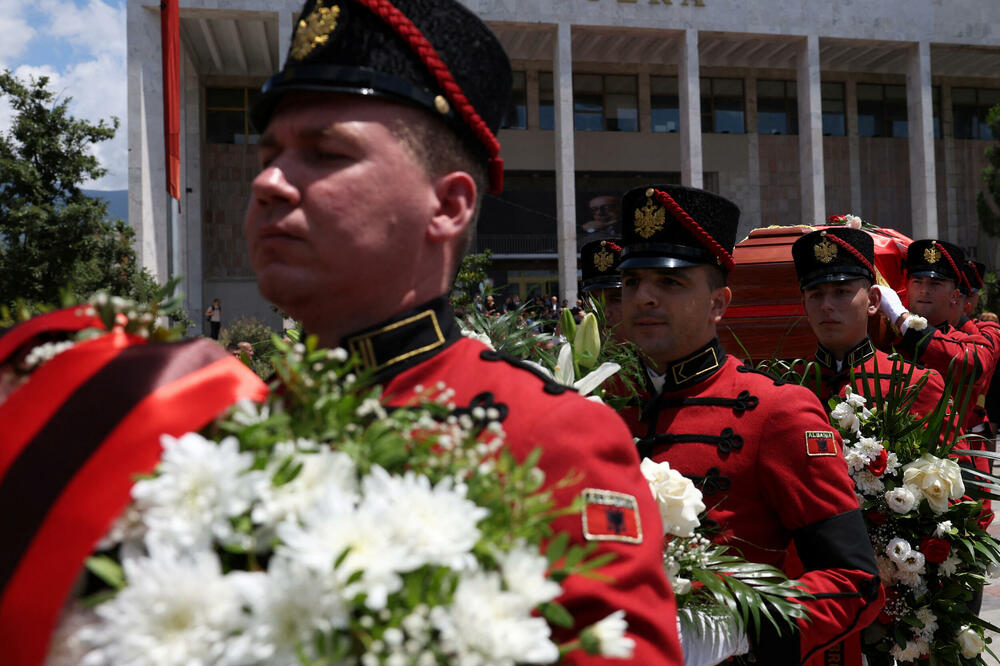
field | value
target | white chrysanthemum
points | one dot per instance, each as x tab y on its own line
929	620
320	470
610	634
248	413
523	571
902	499
942	529
856	459
435	524
174	611
949	566
481	337
870	447
199	486
868	483
891	465
288	604
335	525
846	417
913	580
127	530
486	622
66	647
678	499
911	651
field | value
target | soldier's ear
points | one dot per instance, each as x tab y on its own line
720	300
874	300
455	206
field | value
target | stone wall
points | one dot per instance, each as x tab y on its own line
227	171
885	183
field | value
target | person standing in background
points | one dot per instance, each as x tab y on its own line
214	315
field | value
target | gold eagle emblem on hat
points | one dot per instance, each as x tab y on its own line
603	260
825	251
314	30
932	255
649	219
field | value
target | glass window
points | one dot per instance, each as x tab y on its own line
834	109
970	106
882	110
664	102
722	106
546	102
226	116
605	103
777	107
517	113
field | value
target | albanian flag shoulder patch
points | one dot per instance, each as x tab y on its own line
611	516
821	443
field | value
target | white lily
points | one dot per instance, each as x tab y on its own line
566	375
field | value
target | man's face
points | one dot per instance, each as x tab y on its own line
604	210
671	312
931	298
838	313
338	212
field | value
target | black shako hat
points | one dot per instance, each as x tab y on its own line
434	54
974	272
936	259
833	255
672	226
599	264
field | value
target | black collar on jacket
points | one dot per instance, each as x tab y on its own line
857	355
401	342
694	368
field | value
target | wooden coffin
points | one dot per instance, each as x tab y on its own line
766	318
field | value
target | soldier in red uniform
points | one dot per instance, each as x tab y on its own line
977	421
601	278
836	272
377	142
770	467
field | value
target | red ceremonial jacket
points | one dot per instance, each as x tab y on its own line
423	347
976	417
773	474
868	364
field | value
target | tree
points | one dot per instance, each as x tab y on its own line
52	236
987	205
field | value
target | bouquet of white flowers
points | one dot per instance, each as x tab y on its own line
929	535
320	528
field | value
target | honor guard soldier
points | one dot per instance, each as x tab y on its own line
836	271
601	277
965	321
378	139
763	454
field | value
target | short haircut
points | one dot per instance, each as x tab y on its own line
717	277
440	151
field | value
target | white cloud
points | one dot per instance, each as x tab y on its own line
15	30
95	79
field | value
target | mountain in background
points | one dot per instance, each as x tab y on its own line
117	201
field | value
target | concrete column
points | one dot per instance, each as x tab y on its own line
689	83
645	105
951	174
920	114
284	36
531	89
811	133
853	145
562	82
190	219
751	218
147	191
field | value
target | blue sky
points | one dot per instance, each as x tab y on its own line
80	46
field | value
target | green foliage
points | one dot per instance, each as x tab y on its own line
470	280
261	339
988	202
52	236
509	333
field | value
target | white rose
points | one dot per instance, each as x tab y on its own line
902	499
852	221
678	499
898	549
970	642
912	563
939	480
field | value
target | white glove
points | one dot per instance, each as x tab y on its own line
714	640
890	305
